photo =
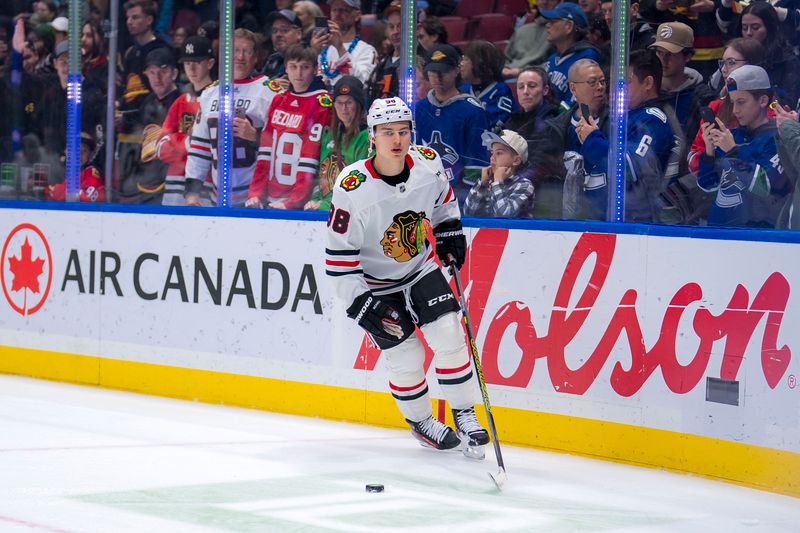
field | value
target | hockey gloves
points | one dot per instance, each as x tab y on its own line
378	318
451	245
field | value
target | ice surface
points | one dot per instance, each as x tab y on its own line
79	459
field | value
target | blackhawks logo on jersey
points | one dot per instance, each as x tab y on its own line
353	180
405	237
324	100
426	152
274	85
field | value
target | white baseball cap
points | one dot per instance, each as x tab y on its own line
60	24
509	138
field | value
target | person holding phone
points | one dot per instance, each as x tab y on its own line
341	50
742	165
653	150
286	30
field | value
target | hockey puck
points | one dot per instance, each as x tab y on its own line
374	487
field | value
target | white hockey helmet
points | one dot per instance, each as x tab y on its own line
387	110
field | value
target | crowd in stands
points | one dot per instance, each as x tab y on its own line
512	94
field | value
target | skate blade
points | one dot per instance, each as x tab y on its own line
474	451
499	478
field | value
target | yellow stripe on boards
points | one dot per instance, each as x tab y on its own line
753	466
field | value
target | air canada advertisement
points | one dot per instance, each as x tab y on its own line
690	335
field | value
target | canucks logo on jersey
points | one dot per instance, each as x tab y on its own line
445	151
353	180
404	239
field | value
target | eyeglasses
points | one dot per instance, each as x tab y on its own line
391	133
344	103
730	63
593	83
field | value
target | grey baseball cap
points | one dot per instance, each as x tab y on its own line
749	78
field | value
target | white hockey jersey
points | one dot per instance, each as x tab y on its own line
372	237
252	98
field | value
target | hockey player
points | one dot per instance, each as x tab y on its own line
288	154
198	59
252	97
382	266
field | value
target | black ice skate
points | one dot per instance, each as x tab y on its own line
433	434
472	434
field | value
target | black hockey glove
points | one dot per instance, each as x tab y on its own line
378	318
450	242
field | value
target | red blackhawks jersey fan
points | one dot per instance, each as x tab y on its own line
252	97
288	155
385	212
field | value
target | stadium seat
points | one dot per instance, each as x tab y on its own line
472	8
186	18
513	87
511	7
456	27
501	45
493	27
459	44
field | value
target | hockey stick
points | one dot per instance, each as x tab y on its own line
501	476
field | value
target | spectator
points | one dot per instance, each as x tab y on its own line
92	188
286	30
342	52
528	44
535	100
557	149
307	11
289	150
344	142
254	94
742	164
197	59
95	60
142	173
566	26
383	82
738	52
505	188
139	15
760	22
788	140
179	36
60	27
652	150
245	16
700	16
729	18
681	86
641	35
421	85
451	122
430	32
481	68
590	7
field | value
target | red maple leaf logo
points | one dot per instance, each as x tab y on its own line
25	269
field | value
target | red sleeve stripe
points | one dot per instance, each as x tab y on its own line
449	195
331	262
198	147
452	370
406	389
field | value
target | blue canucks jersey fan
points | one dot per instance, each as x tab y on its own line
566	26
652	151
452	122
481	69
742	164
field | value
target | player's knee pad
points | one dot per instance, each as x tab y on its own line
406	361
446	337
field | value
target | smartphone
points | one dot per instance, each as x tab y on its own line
708	116
320	24
585	112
